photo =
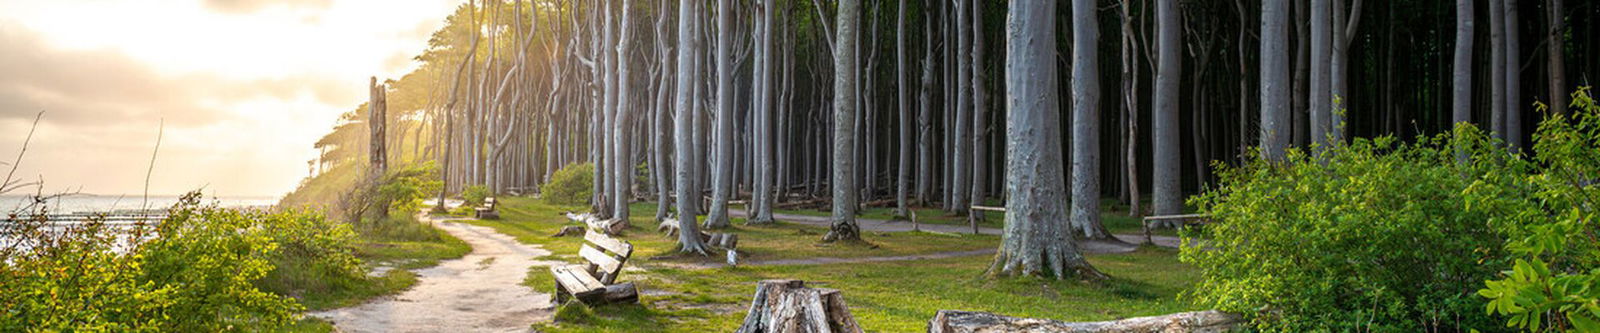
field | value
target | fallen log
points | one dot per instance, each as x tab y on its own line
782	306
609	227
570	230
950	321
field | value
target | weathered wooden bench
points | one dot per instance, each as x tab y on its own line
975	215
592	283
486	211
1186	219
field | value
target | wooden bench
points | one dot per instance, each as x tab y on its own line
975	215
1186	219
592	283
487	210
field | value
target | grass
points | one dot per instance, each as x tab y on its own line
1114	216
400	248
883	296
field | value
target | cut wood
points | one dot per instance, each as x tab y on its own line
789	306
610	227
949	321
570	230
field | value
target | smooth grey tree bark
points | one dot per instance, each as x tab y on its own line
1497	74
761	195
1513	66
980	114
1461	103
1555	58
1086	121
1299	116
1320	92
961	177
1344	31
1035	242
1274	79
1130	107
622	155
1167	196
844	227
722	171
662	127
689	44
925	118
608	93
903	183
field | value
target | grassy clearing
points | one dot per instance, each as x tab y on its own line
399	249
884	296
1114	216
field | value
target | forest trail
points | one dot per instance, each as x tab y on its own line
1127	244
480	292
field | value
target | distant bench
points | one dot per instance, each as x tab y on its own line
486	211
592	283
1186	219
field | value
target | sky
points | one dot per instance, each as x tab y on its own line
238	90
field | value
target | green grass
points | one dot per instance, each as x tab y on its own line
884	296
1113	215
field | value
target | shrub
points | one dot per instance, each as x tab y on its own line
1373	235
572	185
1550	217
475	194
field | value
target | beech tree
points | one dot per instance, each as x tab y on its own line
1034	241
1274	76
844	125
689	43
1462	103
903	181
1167	196
1086	122
622	170
961	162
722	171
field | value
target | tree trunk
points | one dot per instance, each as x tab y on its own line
1513	66
1299	124
1130	108
1497	74
1086	122
781	306
1556	55
1167	195
1274	76
623	154
980	114
1035	242
1318	96
761	195
722	171
662	127
903	182
1461	105
925	118
961	182
844	126
689	43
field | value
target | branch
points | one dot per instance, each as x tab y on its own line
9	183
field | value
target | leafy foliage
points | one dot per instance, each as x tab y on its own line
1555	281
572	185
1372	235
475	194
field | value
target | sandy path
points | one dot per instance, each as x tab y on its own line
481	292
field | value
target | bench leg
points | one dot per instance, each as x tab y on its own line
561	295
1146	225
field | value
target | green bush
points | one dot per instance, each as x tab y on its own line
1373	235
475	194
572	185
1550	218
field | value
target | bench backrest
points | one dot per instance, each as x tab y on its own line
605	255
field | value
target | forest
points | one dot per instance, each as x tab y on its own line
963	166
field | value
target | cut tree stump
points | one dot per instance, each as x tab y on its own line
949	321
782	306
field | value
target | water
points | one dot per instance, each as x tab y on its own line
87	203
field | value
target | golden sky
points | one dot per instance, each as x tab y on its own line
244	86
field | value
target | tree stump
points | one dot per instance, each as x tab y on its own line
782	306
948	321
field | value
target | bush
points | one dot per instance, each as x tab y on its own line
1374	235
475	194
572	185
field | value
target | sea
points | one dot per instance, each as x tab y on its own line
100	203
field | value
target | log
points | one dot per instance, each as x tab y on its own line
782	306
570	230
609	227
669	226
950	321
728	241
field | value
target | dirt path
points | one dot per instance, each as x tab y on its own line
481	292
1127	242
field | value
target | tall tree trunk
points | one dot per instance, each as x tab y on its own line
1344	31
961	182
689	44
663	111
1318	97
1130	107
1167	195
1034	241
623	155
980	113
1556	56
1461	105
762	193
1497	73
1299	123
1274	79
844	226
925	117
722	172
903	183
1086	121
1513	66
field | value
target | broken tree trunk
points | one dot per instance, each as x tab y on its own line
607	226
949	321
789	306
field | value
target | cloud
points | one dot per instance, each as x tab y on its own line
250	6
